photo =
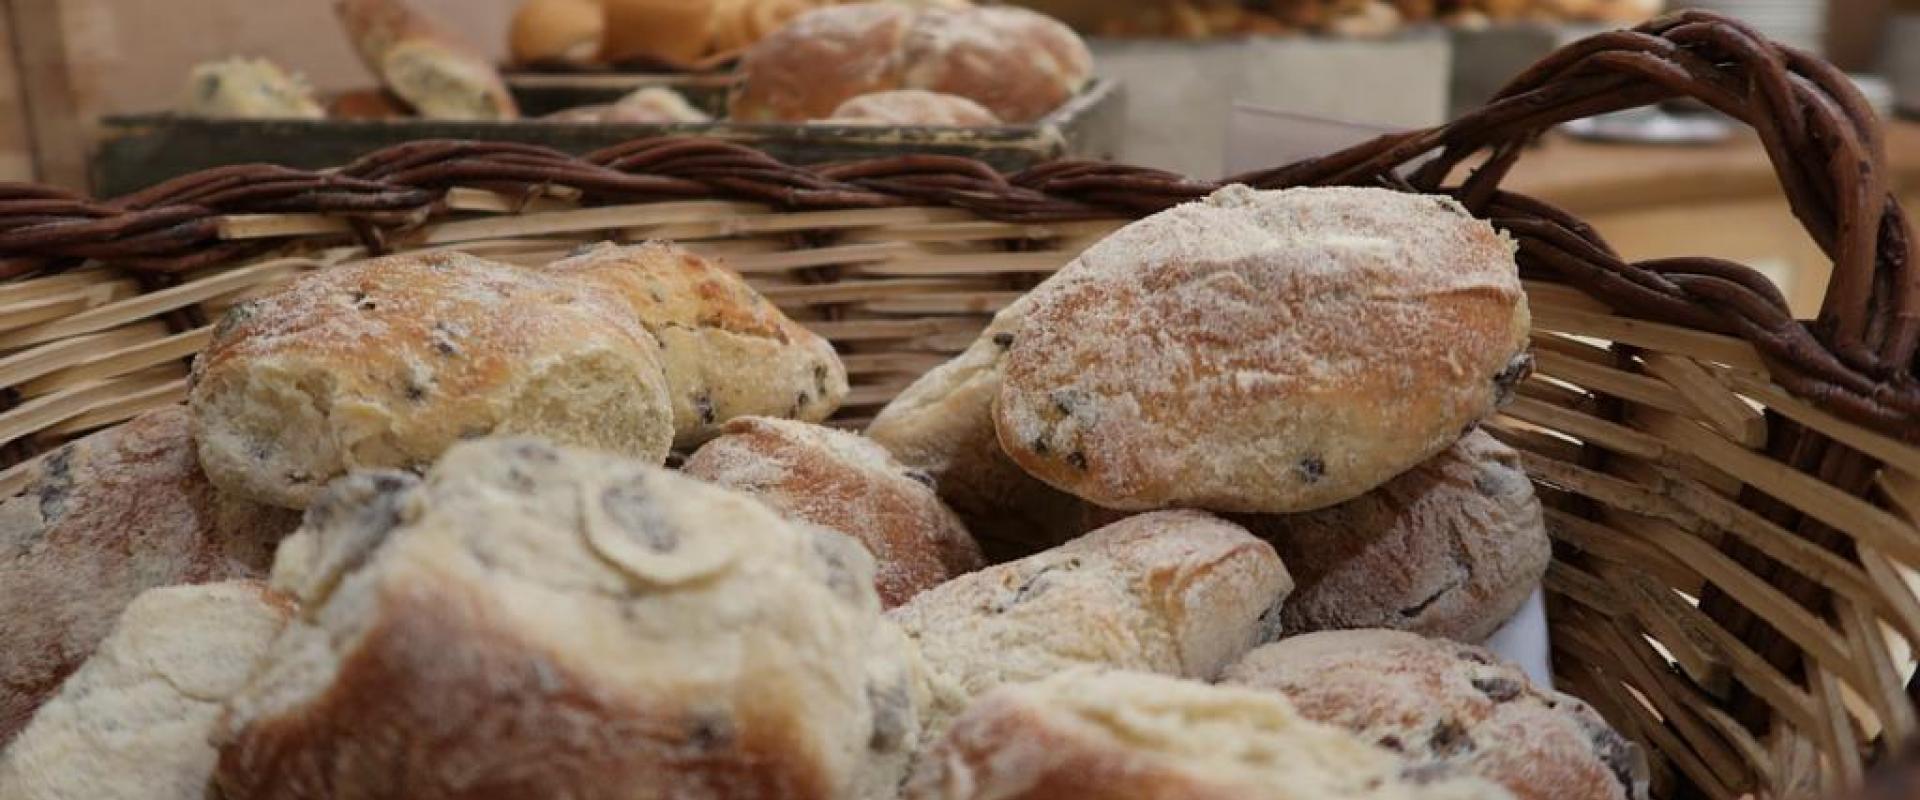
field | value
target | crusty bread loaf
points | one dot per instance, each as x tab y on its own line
556	32
428	66
103	519
132	723
1264	351
1092	735
727	351
819	60
1445	703
912	107
942	424
248	88
387	362
536	621
1176	592
1450	548
665	31
846	483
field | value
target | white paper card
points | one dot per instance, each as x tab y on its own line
1523	640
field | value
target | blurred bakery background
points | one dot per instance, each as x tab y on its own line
111	95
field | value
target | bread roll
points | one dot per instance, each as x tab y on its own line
1176	592
737	24
536	621
1018	63
1264	351
1450	548
654	105
819	60
913	107
103	519
845	483
133	722
247	88
389	361
1094	735
669	31
1452	705
557	32
727	351
432	69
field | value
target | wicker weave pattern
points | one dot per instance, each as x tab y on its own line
1739	487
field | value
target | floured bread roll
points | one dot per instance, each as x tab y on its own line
1176	592
536	621
1264	351
101	520
942	425
248	88
913	107
849	484
727	351
133	722
1450	548
388	362
556	32
1093	735
1452	705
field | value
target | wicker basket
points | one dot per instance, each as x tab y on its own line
1734	496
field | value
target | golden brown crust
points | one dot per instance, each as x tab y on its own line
670	31
556	31
727	351
846	483
1446	703
108	517
434	70
808	68
1450	548
1263	351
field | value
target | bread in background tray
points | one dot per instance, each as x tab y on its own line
440	75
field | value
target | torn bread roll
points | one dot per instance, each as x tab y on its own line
101	520
434	70
1264	352
1108	735
531	620
847	483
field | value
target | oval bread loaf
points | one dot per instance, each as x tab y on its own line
1445	703
727	351
1093	735
1264	351
386	363
132	723
536	621
1177	592
101	520
846	483
1450	548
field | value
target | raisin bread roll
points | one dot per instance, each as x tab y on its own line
387	362
248	88
1450	548
1094	735
727	351
1176	592
913	107
1264	351
846	483
103	519
1450	704
133	722
536	621
428	66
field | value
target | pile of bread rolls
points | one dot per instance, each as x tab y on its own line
1205	515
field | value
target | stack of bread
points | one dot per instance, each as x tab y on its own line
1204	515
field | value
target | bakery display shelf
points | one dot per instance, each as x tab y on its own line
1734	494
142	150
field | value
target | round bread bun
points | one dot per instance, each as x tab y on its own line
913	107
557	32
99	521
1109	735
847	483
1018	63
1450	548
727	351
535	621
819	60
1444	703
388	362
1264	351
668	31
